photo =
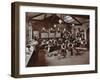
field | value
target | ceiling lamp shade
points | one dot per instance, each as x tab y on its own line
55	25
60	21
73	24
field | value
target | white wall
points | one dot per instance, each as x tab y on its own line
5	40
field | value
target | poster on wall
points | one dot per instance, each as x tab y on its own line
36	34
51	35
56	55
44	35
58	35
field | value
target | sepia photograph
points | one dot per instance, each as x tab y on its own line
52	39
56	39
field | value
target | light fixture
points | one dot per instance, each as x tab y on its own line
64	29
55	25
73	24
43	29
60	21
51	28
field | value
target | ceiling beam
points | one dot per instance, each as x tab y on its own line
51	22
35	20
82	16
45	15
76	19
36	15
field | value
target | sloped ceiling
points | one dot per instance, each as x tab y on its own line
71	19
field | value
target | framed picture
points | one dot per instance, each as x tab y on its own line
71	49
44	35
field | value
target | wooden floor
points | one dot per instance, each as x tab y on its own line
44	60
41	61
68	60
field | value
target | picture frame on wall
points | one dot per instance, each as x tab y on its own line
68	44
